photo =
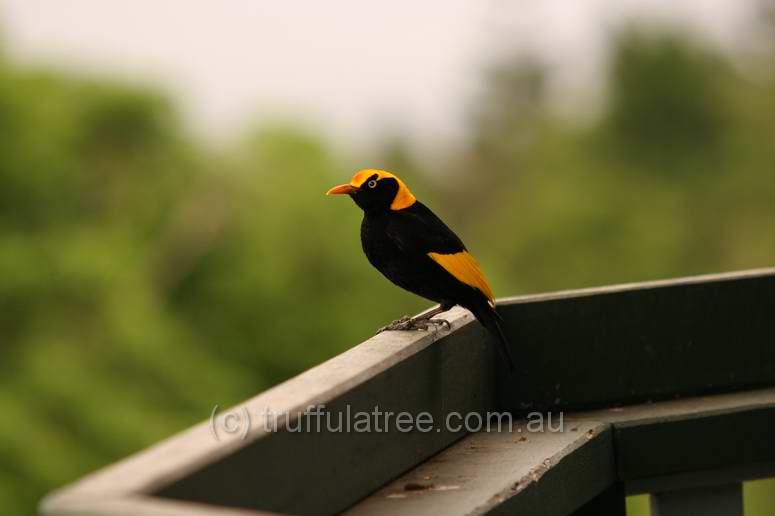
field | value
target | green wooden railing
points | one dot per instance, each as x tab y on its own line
665	388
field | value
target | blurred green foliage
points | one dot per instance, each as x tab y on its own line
144	279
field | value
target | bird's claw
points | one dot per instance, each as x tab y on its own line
442	322
408	324
424	324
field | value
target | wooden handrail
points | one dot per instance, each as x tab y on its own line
706	338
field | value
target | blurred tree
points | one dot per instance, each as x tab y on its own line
666	113
507	121
144	279
93	367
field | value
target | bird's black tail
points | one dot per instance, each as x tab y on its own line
490	319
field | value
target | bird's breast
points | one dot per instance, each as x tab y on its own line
379	249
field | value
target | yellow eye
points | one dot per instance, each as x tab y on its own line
372	183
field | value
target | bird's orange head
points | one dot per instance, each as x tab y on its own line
375	190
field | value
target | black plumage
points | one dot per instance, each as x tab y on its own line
413	248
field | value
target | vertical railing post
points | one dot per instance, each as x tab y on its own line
609	503
723	500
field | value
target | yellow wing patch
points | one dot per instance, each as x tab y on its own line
464	267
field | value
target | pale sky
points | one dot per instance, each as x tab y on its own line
352	67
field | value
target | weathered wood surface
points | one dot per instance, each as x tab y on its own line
646	452
508	472
315	472
590	348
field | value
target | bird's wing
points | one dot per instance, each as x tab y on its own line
465	268
419	231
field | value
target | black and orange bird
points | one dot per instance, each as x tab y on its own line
414	249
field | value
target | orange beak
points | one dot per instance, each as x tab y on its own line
342	190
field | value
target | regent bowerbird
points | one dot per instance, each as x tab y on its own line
413	248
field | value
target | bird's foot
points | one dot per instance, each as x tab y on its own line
424	324
406	323
397	325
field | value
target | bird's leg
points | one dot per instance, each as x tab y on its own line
421	322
